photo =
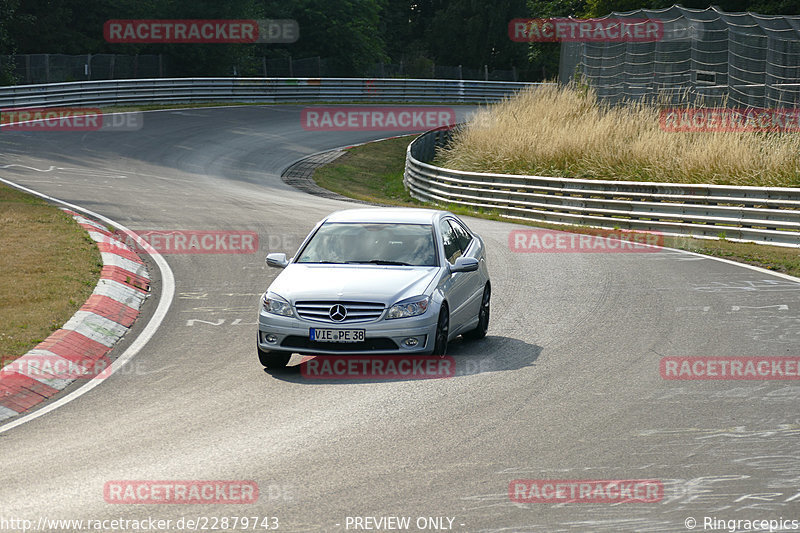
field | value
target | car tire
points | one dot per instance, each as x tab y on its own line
273	360
442	331
483	317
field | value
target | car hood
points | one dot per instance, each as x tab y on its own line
386	284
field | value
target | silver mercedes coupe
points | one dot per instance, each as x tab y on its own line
388	281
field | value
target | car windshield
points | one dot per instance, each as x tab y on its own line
379	244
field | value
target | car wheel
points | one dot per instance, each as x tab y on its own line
483	317
442	331
273	360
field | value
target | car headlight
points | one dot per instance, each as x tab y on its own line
272	303
409	308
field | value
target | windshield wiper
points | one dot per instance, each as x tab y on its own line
379	262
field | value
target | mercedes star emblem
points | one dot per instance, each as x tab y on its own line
337	313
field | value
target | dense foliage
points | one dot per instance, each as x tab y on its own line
350	34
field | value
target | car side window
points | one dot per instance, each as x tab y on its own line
451	248
463	238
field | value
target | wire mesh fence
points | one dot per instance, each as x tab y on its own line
53	68
424	69
704	57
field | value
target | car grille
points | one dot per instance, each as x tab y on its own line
374	344
356	311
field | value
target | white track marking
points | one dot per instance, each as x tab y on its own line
52	168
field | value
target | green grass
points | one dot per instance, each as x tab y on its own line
48	268
370	172
374	172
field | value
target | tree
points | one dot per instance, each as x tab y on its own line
344	31
8	10
544	57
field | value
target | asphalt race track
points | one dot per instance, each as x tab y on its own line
565	387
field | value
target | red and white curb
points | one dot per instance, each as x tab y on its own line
88	336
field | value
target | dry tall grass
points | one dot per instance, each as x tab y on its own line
552	131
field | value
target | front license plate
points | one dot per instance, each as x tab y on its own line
336	335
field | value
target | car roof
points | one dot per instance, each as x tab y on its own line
407	215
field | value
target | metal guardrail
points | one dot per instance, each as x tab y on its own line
758	214
753	214
264	90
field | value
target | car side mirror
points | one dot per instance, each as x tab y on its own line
465	264
277	260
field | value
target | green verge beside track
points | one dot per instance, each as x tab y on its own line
48	268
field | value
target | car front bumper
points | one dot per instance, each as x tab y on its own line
382	337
